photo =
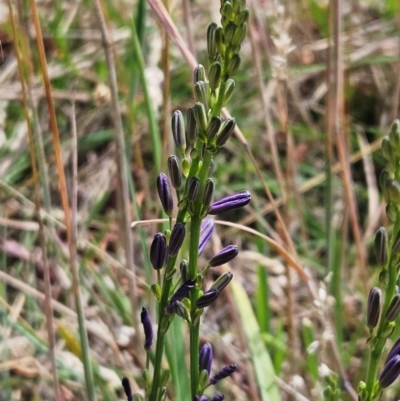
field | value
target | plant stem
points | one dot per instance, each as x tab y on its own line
382	332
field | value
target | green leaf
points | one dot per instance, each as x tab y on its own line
262	363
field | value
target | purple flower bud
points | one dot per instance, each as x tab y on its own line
127	388
165	193
374	307
224	372
227	128
175	171
390	372
177	236
193	187
178	129
148	328
207	299
181	292
230	202
222	281
218	397
394	351
206	358
224	256
393	309
158	251
381	246
206	230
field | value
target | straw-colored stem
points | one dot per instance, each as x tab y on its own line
42	238
65	204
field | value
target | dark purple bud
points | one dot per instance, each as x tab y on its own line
206	358
227	128
222	281
394	308
148	328
214	126
184	269
208	193
175	171
181	292
158	251
218	397
374	307
177	236
206	230
381	246
178	129
390	372
127	388
224	256
394	351
193	187
224	372
207	299
165	193
230	202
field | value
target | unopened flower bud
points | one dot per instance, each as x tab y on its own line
191	126
387	151
227	128
158	251
175	171
178	130
229	32
390	372
176	240
219	40
214	127
239	35
165	193
200	92
200	115
208	193
206	358
384	178
223	373
207	299
233	65
182	292
393	190
229	88
374	307
214	76
180	309
222	281
199	74
243	16
227	10
224	256
148	329
395	350
193	187
230	202
211	44
127	388
394	308
206	230
381	246
396	243
184	269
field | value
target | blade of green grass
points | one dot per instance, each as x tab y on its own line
263	367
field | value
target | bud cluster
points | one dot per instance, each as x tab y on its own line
384	301
187	196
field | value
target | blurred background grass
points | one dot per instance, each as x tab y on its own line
312	110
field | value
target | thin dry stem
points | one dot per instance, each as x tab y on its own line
125	215
42	238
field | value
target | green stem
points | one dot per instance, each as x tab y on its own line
382	332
